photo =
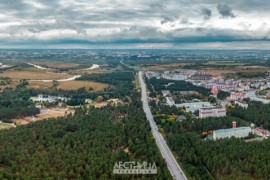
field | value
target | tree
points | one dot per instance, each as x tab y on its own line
212	99
99	99
55	83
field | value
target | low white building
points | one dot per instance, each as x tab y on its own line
264	101
242	105
170	101
176	77
264	87
257	84
192	107
165	93
239	132
212	112
48	98
152	74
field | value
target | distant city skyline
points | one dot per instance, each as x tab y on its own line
179	24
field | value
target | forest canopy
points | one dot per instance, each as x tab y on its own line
86	145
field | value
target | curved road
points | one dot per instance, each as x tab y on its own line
172	164
94	66
37	66
60	80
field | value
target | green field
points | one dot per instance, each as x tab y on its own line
225	63
5	126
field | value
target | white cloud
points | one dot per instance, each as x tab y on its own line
130	20
35	4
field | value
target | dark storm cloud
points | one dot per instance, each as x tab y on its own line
167	19
207	13
185	21
225	11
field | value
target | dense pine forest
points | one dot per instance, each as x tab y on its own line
257	113
16	103
87	145
202	158
83	146
226	159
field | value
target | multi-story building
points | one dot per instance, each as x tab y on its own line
201	77
239	132
220	86
212	112
237	96
192	107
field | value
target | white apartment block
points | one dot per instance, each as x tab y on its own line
212	112
192	107
237	96
239	132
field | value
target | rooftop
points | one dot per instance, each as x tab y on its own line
210	108
196	103
222	131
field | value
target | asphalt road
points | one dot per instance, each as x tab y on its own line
172	164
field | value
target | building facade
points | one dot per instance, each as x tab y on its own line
239	132
212	112
237	96
192	107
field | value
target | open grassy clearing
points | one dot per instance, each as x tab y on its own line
39	85
69	85
33	75
26	68
74	85
45	114
13	84
224	63
137	83
56	64
5	126
253	67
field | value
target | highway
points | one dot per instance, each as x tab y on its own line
172	164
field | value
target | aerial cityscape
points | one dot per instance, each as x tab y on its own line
134	90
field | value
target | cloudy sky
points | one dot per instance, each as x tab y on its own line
135	24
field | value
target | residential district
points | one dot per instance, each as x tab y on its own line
237	92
